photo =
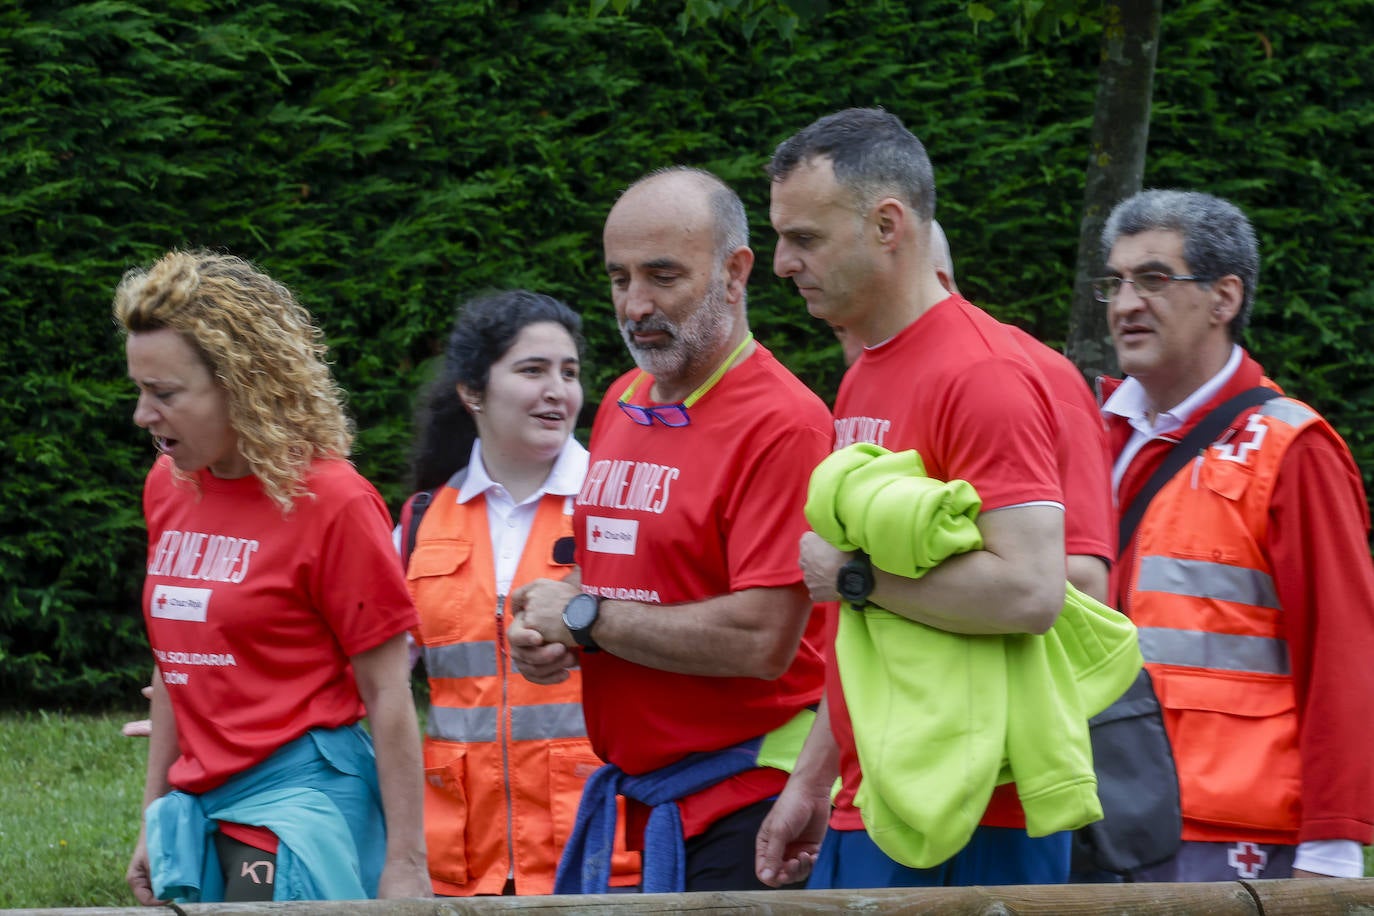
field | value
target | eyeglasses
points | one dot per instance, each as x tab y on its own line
1146	282
1105	289
675	415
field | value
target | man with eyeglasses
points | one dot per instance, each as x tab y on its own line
853	196
699	649
1249	570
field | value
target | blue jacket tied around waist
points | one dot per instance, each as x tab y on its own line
318	794
585	867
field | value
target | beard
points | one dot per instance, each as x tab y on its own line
690	342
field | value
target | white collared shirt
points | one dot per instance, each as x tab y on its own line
510	523
1130	402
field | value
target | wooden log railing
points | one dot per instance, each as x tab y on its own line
1288	897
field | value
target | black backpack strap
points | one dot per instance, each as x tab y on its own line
412	513
1186	450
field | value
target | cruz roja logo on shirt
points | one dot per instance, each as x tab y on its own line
173	602
612	535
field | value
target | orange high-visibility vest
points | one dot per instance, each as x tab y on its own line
1202	593
505	759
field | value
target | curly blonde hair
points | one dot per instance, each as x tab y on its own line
261	345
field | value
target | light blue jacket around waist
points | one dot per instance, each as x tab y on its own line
318	794
942	718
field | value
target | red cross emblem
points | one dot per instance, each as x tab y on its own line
1247	859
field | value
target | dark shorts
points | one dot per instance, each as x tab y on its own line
994	855
722	858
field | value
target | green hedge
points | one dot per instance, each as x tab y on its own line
389	159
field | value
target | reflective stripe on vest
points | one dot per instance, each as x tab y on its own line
1201	579
549	720
1217	651
455	723
528	723
1291	412
461	659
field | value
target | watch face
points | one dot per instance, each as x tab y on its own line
855	580
851	583
580	612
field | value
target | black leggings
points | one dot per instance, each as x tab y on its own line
250	874
722	858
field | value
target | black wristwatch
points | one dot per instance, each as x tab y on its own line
579	616
855	581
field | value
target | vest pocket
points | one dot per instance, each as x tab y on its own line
438	557
571	762
446	811
443	590
1234	738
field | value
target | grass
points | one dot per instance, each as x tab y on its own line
70	787
70	790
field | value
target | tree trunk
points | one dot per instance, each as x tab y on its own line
1116	164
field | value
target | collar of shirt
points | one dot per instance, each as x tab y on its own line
565	479
510	524
883	343
1130	403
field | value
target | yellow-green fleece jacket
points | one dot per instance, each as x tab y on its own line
941	718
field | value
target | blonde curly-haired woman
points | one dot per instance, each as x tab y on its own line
275	612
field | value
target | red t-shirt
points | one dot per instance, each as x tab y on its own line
956	387
252	616
1085	463
675	515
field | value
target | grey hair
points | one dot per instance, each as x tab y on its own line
729	221
1218	239
873	155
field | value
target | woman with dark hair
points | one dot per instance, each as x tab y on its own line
505	759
